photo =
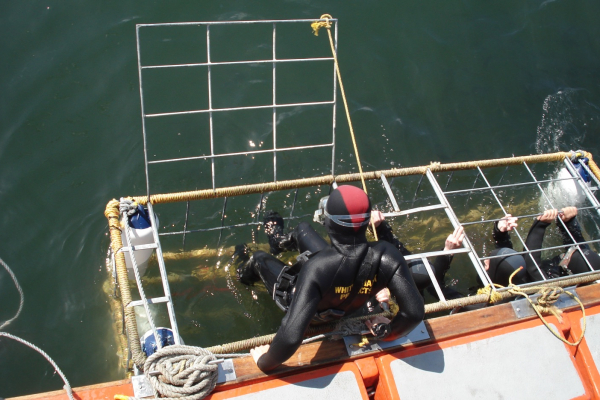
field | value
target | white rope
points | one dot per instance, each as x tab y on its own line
14	278
67	386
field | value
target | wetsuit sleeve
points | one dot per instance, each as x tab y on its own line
289	336
574	229
534	240
441	265
385	233
410	302
502	239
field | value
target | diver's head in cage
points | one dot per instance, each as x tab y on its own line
501	268
345	212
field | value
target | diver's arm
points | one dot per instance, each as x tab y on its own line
501	231
410	302
291	332
569	216
441	265
534	240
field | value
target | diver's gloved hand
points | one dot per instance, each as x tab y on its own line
278	241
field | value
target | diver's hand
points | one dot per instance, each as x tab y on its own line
454	241
259	351
568	213
376	217
383	296
549	216
507	223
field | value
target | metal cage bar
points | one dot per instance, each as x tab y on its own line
210	110
505	213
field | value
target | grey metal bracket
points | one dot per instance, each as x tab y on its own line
142	387
416	335
523	309
226	371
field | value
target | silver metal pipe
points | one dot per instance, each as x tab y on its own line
242	153
268	21
456	223
210	63
314	103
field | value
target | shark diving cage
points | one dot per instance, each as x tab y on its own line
201	141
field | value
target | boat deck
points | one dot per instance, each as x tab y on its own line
463	358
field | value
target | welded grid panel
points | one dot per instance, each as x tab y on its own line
534	181
211	110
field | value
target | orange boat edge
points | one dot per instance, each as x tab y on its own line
485	353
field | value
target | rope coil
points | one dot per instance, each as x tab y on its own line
182	372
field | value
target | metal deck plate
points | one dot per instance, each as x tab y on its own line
416	335
141	386
523	309
226	371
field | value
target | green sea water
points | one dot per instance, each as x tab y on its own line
426	81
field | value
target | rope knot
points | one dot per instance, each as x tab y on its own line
434	165
182	371
128	205
494	296
321	24
545	303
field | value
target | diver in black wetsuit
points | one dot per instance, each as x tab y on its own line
570	262
499	269
334	281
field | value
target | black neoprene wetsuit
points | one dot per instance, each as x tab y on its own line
441	264
551	267
499	271
325	282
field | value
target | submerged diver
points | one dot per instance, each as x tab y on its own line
500	268
331	281
570	262
567	263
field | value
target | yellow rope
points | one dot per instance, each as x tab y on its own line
545	303
325	24
114	226
494	296
242	190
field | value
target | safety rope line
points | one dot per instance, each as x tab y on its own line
242	190
545	303
325	24
14	278
485	297
67	386
330	329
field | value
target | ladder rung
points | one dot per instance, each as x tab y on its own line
155	300
140	247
